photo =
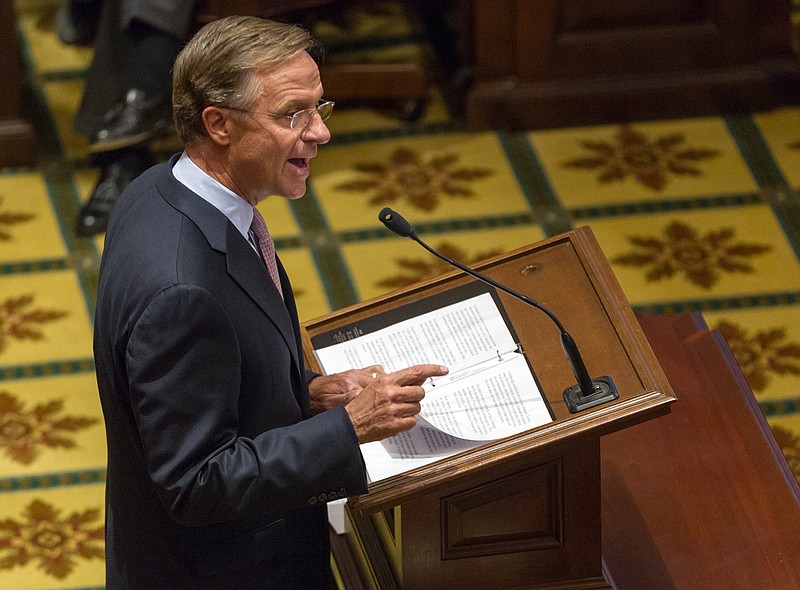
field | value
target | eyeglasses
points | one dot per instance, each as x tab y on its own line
298	119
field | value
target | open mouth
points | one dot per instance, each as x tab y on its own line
301	163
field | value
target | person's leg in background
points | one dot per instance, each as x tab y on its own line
77	20
126	100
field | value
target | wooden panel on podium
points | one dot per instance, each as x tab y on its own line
524	511
703	497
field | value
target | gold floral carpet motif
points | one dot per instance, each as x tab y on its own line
695	214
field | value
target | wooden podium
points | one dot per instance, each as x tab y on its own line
522	512
702	497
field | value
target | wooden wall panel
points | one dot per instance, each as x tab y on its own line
552	63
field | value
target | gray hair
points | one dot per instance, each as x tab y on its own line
217	66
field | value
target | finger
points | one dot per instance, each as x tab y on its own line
417	374
373	371
407	424
410	409
404	394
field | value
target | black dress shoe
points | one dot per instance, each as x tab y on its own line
94	213
136	119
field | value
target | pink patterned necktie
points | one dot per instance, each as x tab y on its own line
266	246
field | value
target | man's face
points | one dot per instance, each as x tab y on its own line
266	156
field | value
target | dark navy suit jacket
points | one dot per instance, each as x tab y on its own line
217	474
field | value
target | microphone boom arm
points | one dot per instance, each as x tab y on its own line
588	392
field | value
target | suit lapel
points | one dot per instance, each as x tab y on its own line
244	265
301	392
246	268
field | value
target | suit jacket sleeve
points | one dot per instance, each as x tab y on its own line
183	365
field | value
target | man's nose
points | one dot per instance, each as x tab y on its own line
316	130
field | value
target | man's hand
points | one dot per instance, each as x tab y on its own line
330	391
390	402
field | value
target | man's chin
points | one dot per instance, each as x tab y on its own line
295	196
295	192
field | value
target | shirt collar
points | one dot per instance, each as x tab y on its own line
234	207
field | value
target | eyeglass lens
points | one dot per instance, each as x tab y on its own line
302	118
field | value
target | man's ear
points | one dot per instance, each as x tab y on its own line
215	120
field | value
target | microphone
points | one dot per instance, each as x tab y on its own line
588	392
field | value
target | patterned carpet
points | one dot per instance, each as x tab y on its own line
693	214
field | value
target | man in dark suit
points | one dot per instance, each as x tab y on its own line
222	449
